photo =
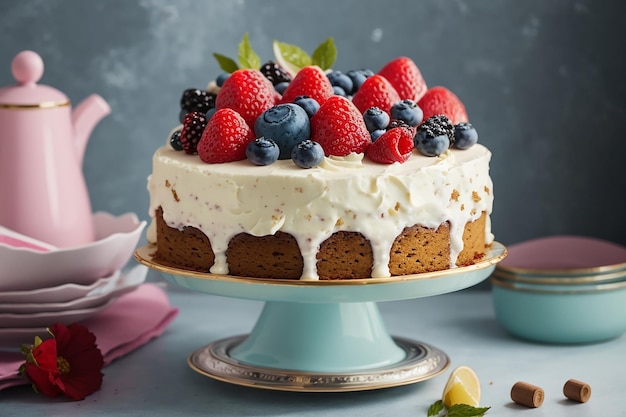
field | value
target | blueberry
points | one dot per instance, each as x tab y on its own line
307	154
210	113
408	111
281	86
465	136
338	91
375	119
309	104
375	134
262	151
286	124
175	141
358	78
182	114
430	145
339	79
219	81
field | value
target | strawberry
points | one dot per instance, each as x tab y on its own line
193	126
247	92
225	138
376	91
405	77
309	81
395	145
440	100
339	127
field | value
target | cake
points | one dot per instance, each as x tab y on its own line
381	177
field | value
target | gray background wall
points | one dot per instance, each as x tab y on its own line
543	81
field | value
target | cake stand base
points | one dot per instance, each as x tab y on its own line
319	347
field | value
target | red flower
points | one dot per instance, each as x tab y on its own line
68	363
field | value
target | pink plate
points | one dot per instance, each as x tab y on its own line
564	253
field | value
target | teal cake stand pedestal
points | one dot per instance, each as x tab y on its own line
322	335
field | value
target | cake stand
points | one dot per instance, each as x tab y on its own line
322	335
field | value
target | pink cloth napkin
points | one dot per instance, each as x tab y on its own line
130	322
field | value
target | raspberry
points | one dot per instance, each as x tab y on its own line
339	127
225	138
248	93
376	91
395	145
193	126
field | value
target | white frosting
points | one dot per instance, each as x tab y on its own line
342	194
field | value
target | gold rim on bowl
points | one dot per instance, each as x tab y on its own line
599	288
565	280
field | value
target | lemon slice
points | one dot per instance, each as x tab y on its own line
290	57
462	387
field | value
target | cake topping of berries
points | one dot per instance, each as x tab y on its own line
175	141
307	154
440	100
408	111
225	138
405	77
286	124
339	127
310	81
275	73
247	92
298	107
376	91
434	136
395	145
194	99
262	151
191	133
465	135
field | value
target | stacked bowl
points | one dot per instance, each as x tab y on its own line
562	289
41	284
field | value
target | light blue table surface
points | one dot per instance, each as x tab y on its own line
156	381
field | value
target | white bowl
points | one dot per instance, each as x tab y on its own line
119	285
27	269
47	318
60	293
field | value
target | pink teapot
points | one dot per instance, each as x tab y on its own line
42	143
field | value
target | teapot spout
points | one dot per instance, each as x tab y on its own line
85	116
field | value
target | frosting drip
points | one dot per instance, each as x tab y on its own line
342	194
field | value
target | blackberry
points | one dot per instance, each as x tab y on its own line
175	141
275	73
190	135
398	123
194	99
436	126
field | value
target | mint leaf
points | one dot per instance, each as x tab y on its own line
325	54
227	64
464	410
247	57
435	408
293	55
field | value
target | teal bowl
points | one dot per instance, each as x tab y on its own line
561	314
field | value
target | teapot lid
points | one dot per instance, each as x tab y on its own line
27	68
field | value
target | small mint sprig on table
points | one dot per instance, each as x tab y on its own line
456	410
289	56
